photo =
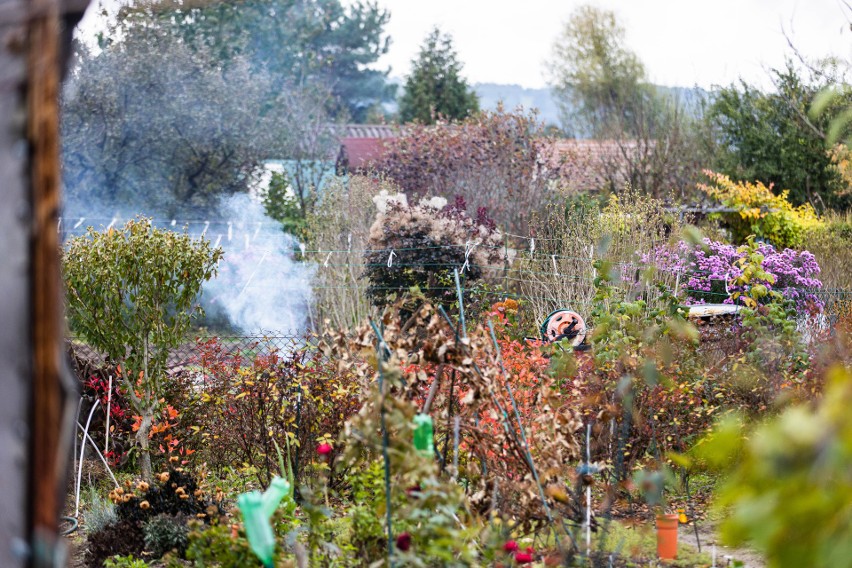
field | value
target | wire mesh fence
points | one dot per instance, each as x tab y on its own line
190	355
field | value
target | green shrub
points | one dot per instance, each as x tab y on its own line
425	507
165	533
831	244
647	375
124	562
790	489
281	204
368	529
100	513
132	293
215	546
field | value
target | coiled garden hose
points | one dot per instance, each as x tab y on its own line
74	525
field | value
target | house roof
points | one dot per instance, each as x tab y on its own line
582	164
357	153
601	150
589	164
369	131
360	144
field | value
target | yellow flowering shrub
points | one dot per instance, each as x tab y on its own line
841	162
760	212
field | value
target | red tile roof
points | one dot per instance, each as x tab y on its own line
368	131
589	165
584	165
356	153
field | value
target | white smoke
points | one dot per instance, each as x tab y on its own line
260	285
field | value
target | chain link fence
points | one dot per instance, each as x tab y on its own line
188	355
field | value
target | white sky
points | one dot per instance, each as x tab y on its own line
681	42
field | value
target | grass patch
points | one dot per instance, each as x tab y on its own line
637	546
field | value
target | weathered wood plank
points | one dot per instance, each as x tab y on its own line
47	396
35	389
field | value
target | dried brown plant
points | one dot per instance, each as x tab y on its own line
460	380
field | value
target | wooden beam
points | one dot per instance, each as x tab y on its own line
46	405
36	408
53	391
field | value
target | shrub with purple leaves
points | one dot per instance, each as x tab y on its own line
707	272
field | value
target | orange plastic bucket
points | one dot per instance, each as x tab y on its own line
667	536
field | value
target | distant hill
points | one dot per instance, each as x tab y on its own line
490	94
513	96
690	97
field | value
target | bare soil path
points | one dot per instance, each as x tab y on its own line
709	537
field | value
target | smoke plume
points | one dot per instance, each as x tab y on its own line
261	287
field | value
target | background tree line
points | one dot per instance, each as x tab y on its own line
665	137
181	103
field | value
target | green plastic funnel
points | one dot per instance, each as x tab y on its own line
277	490
259	531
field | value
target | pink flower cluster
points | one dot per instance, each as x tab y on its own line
708	273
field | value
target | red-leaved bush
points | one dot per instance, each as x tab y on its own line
247	408
494	160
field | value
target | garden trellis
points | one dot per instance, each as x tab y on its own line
249	235
529	269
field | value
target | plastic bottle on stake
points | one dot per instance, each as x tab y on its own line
258	530
424	434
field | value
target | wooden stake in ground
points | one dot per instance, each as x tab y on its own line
51	419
